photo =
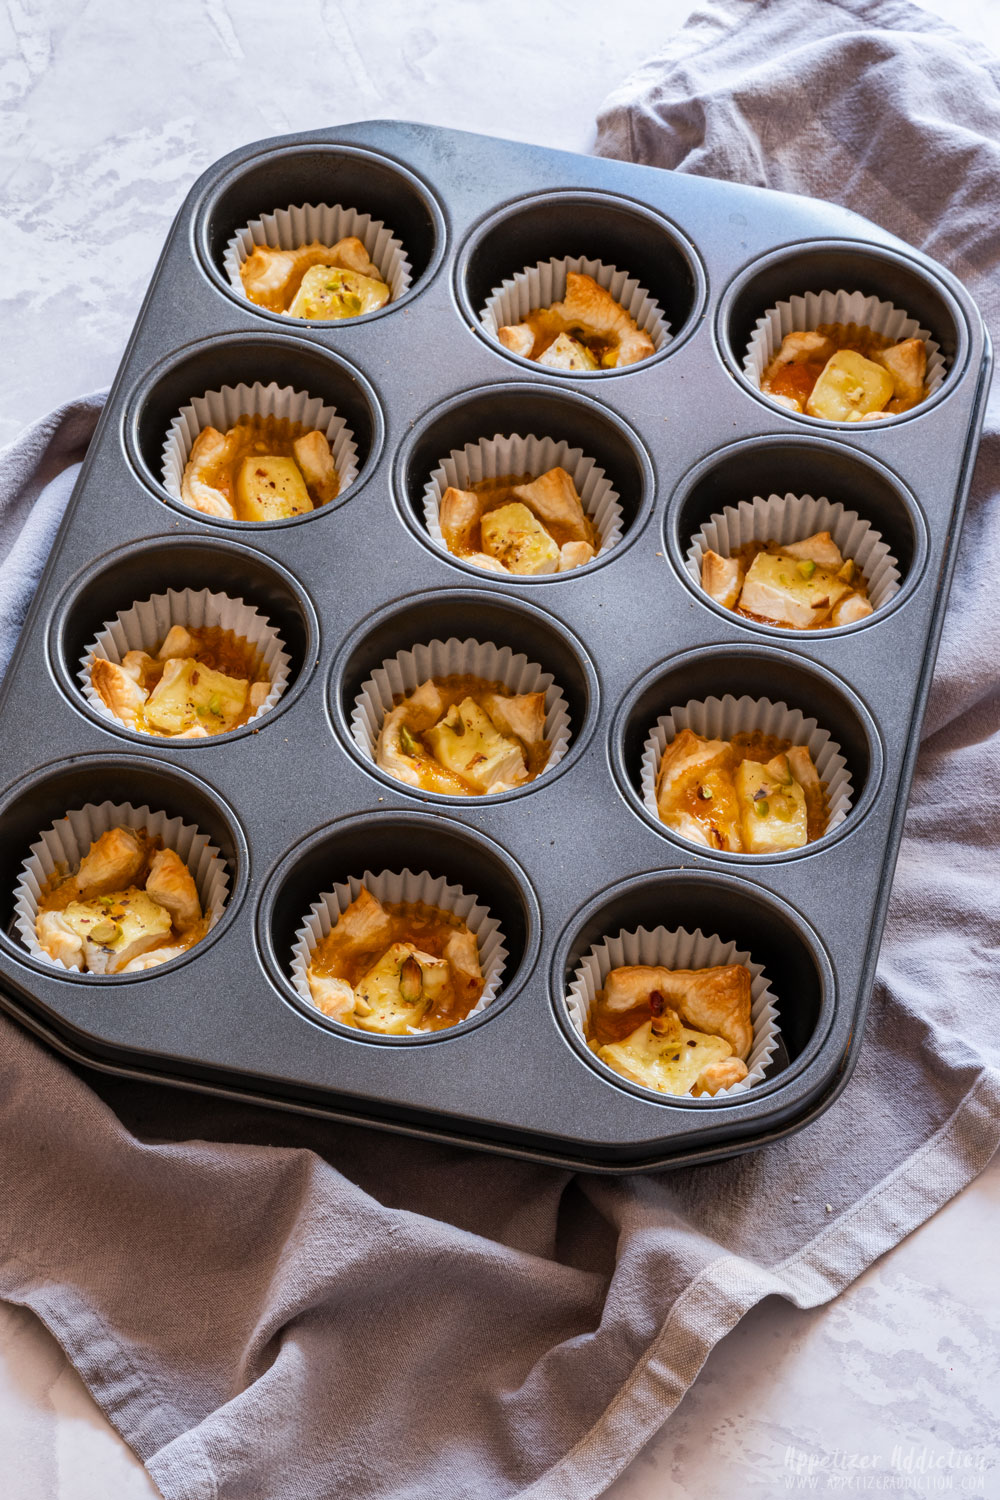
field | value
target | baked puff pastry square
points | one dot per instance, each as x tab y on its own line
315	281
397	968
587	330
130	906
678	1031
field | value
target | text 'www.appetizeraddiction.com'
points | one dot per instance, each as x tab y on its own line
909	1470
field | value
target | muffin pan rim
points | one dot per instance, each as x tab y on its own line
143	390
509	209
239	876
56	651
862	803
812	943
674	543
200	226
744	276
428	822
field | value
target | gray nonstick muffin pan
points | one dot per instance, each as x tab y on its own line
574	856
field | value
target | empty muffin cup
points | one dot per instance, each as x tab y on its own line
677	949
324	223
804	314
390	886
401	675
791	518
722	718
222	409
145	625
503	456
60	849
539	286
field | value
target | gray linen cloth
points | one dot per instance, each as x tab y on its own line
269	1307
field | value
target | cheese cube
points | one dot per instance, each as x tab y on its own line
850	387
790	592
117	928
670	1062
516	538
190	694
330	292
468	743
772	807
397	992
271	489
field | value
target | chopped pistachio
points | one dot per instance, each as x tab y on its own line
705	793
409	744
761	808
807	567
105	931
411	980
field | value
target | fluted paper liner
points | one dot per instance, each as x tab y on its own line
676	948
721	718
392	886
791	518
61	848
144	628
223	409
804	315
499	457
291	228
538	286
402	675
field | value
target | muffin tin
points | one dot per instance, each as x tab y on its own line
575	856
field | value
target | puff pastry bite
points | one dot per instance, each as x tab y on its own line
397	968
520	525
465	737
679	1031
202	681
315	281
262	469
753	794
587	330
803	585
844	372
130	906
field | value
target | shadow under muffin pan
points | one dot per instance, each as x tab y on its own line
569	859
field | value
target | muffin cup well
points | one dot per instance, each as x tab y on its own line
295	226
402	674
540	285
144	627
805	314
392	886
500	456
61	848
721	718
223	409
791	518
678	949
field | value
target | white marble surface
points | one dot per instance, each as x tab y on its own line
107	114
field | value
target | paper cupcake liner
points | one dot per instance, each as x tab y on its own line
290	228
540	285
721	718
677	948
402	674
791	518
499	456
805	314
61	848
223	409
390	886
145	626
